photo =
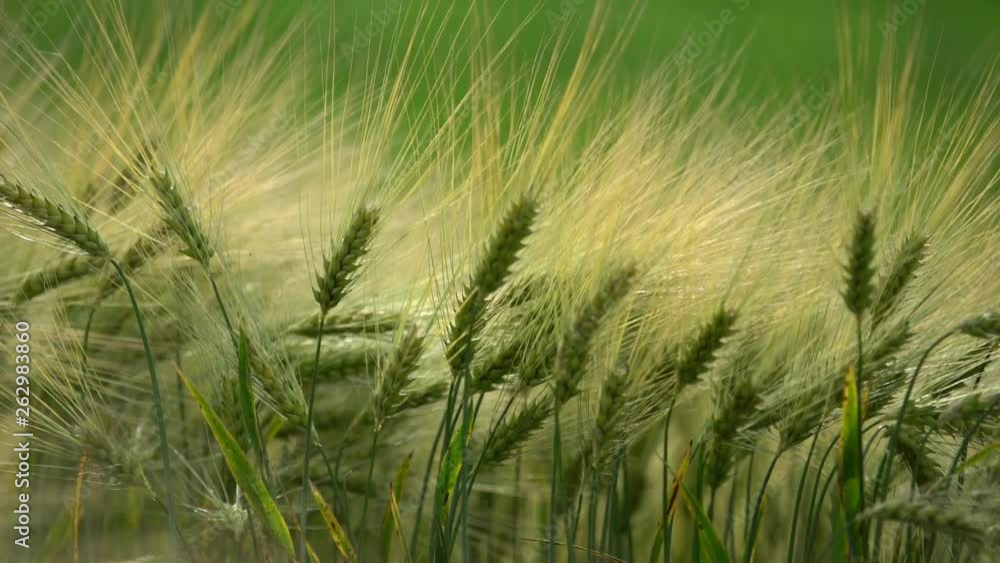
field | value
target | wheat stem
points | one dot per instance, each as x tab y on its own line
161	421
304	507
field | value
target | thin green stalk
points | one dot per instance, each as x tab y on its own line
516	511
747	505
161	421
438	544
368	489
87	327
816	500
882	481
609	506
859	386
592	520
222	307
555	492
668	527
755	516
463	473
423	488
964	446
798	499
730	535
304	508
699	479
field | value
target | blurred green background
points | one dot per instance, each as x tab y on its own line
785	44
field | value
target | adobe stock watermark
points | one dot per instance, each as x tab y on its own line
900	13
376	26
43	14
696	44
225	7
811	103
567	9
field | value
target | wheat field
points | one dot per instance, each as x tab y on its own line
278	297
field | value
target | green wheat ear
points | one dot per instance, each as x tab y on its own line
902	272
341	266
396	376
180	218
54	218
514	431
576	343
859	272
492	271
699	354
986	325
63	272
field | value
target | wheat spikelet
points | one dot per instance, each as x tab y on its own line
181	219
514	431
902	272
887	347
986	325
490	375
354	321
283	390
607	427
395	376
490	274
737	403
574	347
931	516
54	218
341	265
339	359
859	271
924	470
701	351
65	271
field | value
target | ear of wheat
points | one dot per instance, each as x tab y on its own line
54	218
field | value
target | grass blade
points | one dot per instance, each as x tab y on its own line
657	549
248	410
451	465
396	524
714	549
337	533
398	484
243	472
